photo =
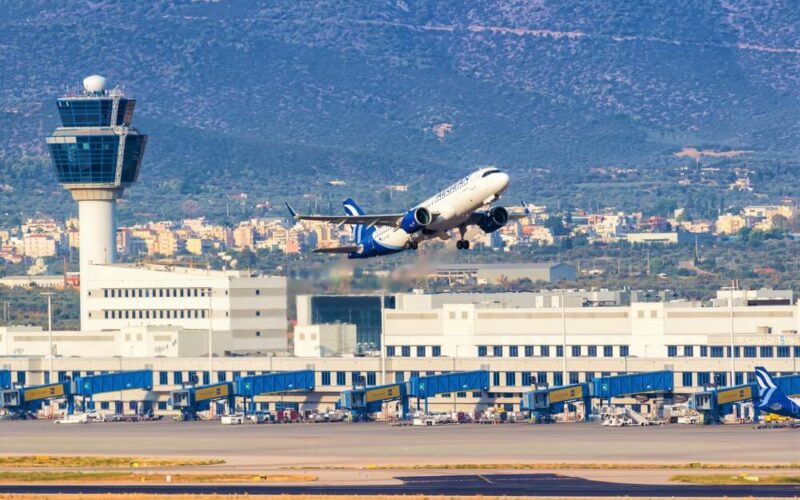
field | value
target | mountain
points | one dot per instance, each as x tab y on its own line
274	98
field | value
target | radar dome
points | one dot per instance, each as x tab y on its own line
94	83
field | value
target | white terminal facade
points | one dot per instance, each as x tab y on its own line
519	343
161	318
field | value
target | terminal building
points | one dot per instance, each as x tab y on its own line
520	346
203	326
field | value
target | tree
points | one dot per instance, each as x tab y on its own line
780	223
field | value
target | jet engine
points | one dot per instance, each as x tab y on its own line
493	220
416	219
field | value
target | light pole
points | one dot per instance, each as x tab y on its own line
382	340
733	343
210	337
563	340
454	370
49	296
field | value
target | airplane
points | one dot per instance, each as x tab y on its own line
771	399
462	204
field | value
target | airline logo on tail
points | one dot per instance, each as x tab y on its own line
771	398
352	208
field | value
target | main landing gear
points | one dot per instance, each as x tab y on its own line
462	244
413	245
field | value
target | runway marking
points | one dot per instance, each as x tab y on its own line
484	478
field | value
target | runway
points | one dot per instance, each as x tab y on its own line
544	485
255	447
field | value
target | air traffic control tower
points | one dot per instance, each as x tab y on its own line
97	155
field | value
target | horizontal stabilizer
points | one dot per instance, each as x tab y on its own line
350	249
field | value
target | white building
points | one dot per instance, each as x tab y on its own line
130	342
252	309
336	339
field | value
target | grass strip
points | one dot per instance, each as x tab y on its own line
738	479
10	461
138	496
131	477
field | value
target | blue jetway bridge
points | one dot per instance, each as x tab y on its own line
272	383
30	398
715	403
547	401
362	401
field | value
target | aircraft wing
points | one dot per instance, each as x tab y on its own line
349	249
392	220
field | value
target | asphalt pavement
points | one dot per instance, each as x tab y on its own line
467	485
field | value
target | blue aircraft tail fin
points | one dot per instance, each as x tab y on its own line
769	394
352	208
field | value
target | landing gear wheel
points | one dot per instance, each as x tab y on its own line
462	245
413	245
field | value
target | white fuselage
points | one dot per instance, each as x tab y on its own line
451	207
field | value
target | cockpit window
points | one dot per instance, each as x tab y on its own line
490	172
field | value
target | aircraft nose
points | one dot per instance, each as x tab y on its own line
501	179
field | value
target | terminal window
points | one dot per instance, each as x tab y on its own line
624	350
390	350
749	352
513	351
420	351
574	377
497	351
766	351
545	351
437	351
406	351
608	351
593	351
528	351
576	351
481	351
687	379
672	351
